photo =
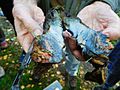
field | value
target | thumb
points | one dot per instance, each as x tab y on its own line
39	17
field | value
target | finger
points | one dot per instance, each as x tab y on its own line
25	41
25	2
112	33
24	37
39	15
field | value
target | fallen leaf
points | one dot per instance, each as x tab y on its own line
5	57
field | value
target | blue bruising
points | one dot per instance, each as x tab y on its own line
91	41
53	40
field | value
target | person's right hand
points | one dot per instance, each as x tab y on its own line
28	20
99	16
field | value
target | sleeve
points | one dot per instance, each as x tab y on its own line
73	7
115	4
44	5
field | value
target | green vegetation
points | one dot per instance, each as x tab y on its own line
9	60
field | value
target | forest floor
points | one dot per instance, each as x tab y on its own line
9	60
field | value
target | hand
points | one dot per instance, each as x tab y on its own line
100	17
28	20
